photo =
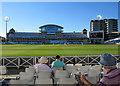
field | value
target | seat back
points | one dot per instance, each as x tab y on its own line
26	76
93	80
44	75
68	81
84	69
57	68
61	74
93	73
44	81
70	68
30	70
97	67
78	66
69	64
94	76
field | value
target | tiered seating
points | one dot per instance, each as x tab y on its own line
26	77
61	76
93	72
30	77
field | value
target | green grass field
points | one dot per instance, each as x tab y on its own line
53	50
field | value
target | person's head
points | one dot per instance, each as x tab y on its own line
107	61
43	60
57	57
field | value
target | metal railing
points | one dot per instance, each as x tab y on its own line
30	61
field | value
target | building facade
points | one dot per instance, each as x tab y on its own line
109	26
48	34
2	39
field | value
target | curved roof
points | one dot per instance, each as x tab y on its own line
50	25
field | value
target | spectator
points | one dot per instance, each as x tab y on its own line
42	65
58	63
112	77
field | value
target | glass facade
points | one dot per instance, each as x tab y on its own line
109	26
51	29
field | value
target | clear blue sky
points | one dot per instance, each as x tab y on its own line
73	16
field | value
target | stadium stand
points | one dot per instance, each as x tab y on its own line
49	34
113	41
93	74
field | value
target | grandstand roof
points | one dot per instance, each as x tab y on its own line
112	39
50	25
27	33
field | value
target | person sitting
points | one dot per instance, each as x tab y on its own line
58	64
42	65
112	77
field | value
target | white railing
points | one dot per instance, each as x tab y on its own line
29	61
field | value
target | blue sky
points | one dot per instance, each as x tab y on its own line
73	16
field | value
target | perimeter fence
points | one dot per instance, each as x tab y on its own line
32	60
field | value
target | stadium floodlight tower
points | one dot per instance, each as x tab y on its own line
99	17
6	20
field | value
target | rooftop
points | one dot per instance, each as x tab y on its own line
50	25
